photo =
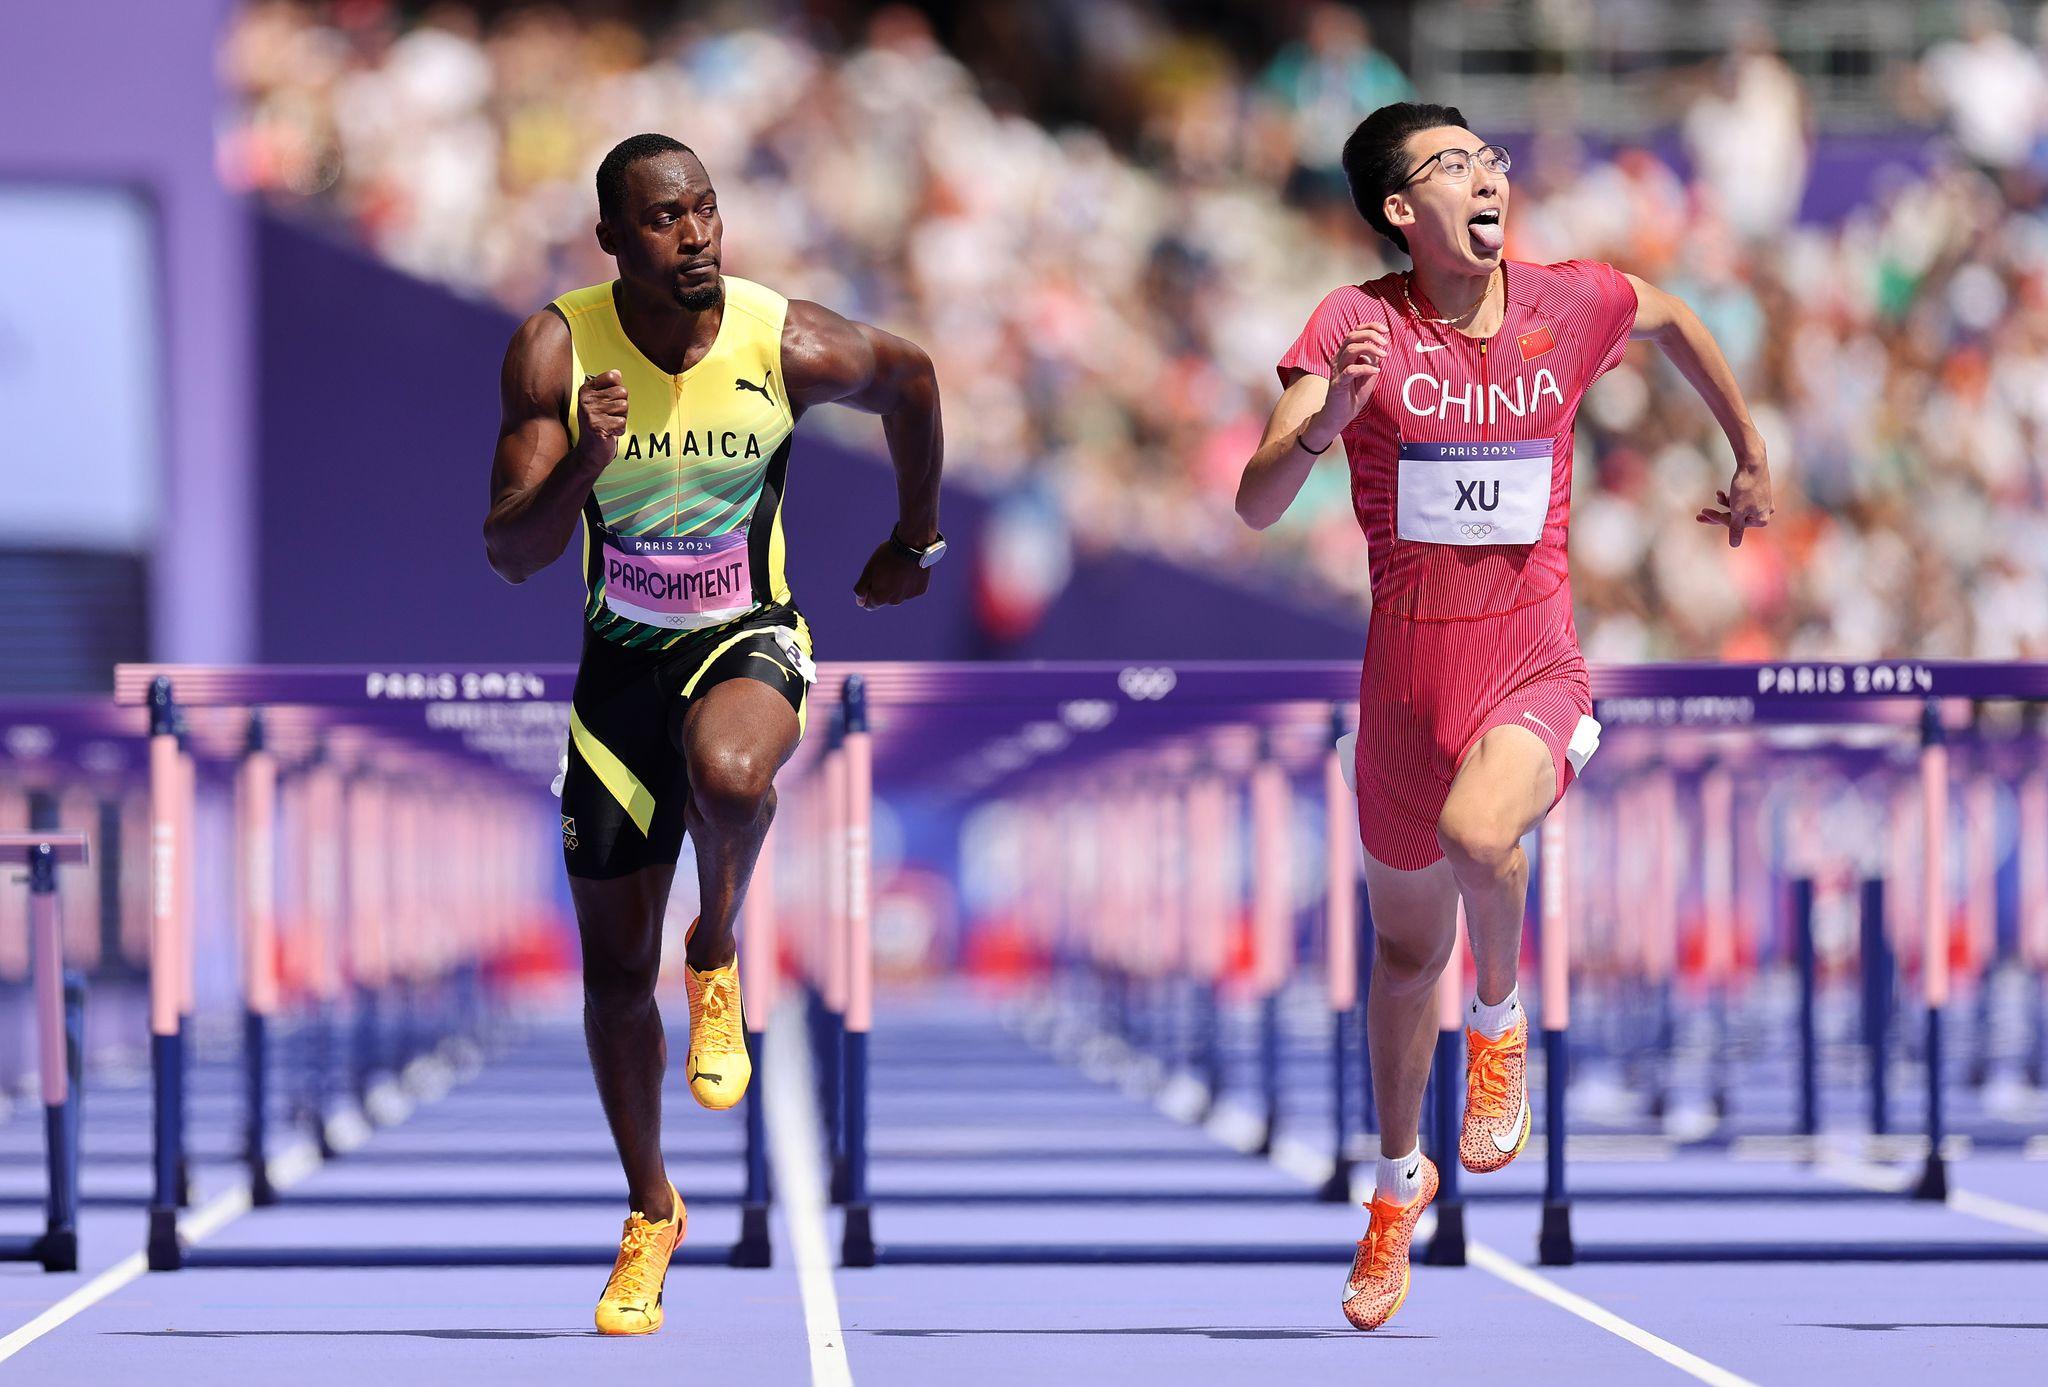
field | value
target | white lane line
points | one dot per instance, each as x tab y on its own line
1231	1125
84	1298
202	1223
1999	1211
1984	1206
1542	1287
1496	1263
796	1147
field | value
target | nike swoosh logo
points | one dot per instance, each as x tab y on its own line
1431	347
1514	1137
1539	722
1410	1175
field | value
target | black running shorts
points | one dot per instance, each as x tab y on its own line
624	785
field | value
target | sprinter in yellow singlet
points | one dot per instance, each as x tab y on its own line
656	410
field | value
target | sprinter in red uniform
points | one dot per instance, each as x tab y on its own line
1455	387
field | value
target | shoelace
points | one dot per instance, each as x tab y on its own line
633	1273
1490	1079
1375	1244
719	998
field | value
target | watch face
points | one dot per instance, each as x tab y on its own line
933	554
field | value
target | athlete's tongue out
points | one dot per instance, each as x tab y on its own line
1486	231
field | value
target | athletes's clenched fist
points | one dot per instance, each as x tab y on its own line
600	415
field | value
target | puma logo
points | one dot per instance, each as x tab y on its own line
761	389
707	1074
787	672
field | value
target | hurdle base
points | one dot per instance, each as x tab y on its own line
165	1249
262	1192
857	1243
1447	1245
55	1250
1554	1246
1337	1189
752	1249
1933	1183
58	1249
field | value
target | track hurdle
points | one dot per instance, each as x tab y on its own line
60	1016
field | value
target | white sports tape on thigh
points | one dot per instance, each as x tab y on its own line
1585	741
1347	759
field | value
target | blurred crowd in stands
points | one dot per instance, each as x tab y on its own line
1105	301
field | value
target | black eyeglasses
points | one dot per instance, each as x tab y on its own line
1456	164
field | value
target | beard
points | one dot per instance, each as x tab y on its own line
698	300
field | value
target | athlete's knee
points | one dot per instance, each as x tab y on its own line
1477	845
1408	966
619	980
733	786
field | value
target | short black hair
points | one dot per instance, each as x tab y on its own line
611	173
1376	155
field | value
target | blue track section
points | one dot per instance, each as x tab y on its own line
1039	1216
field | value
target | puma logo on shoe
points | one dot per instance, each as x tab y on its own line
715	1078
761	389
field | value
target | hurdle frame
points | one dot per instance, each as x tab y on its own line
59	1019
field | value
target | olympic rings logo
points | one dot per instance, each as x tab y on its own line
1087	714
1475	529
30	741
1145	683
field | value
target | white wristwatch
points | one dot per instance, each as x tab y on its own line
926	556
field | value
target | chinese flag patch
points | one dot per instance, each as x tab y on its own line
1534	344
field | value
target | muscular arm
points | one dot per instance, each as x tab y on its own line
827	359
1280	466
1678	332
1313	411
1685	341
538	482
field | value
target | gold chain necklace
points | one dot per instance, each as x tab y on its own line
1416	313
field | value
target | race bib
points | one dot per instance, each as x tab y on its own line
1474	493
680	583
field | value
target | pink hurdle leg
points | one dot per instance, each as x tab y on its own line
1934	771
1554	1241
858	1245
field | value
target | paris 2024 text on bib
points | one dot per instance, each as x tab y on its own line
1474	493
678	582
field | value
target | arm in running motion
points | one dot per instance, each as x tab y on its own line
1313	411
827	359
539	482
1684	339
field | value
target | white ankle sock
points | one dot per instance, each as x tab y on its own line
1493	1022
1399	1179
